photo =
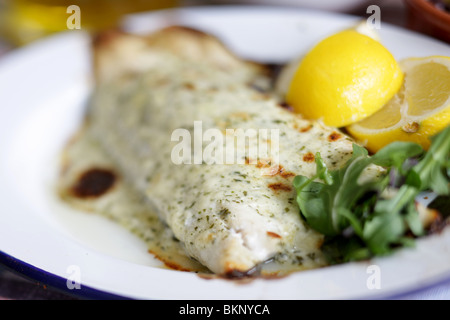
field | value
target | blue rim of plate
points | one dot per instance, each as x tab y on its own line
58	283
88	293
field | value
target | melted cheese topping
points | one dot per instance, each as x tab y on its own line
225	215
229	217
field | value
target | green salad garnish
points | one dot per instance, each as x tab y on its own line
362	219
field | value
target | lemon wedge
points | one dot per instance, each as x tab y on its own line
345	78
417	112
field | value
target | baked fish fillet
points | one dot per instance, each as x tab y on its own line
229	217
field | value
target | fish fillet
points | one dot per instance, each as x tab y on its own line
230	217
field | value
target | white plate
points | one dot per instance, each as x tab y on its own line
43	91
329	5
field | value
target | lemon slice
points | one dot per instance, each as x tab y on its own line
417	112
343	79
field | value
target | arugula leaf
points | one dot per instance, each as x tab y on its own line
381	231
319	202
357	218
434	168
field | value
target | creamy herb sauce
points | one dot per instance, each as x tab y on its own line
123	205
231	217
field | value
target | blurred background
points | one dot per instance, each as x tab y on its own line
24	21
